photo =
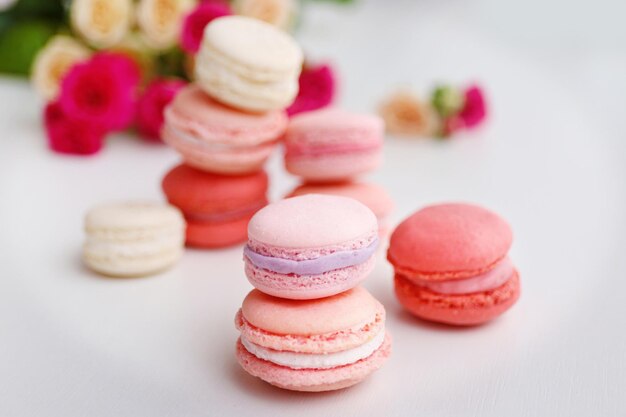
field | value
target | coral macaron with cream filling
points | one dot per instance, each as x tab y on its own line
451	264
312	345
333	145
311	246
217	208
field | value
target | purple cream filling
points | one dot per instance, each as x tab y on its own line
335	260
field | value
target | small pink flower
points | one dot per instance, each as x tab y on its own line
67	135
196	21
474	109
102	91
152	103
451	125
317	89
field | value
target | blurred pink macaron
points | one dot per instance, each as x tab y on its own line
311	246
312	345
333	145
213	137
375	197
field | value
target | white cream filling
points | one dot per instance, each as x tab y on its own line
296	360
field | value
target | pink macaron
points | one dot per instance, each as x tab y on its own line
311	246
375	197
312	345
451	264
332	145
213	137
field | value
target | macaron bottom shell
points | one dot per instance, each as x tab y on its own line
313	380
333	167
217	235
127	267
459	309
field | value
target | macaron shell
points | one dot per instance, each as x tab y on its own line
334	167
449	241
343	311
137	266
217	234
312	221
460	310
313	380
308	287
227	161
195	191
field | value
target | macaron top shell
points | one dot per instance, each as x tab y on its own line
375	197
195	112
132	215
312	221
355	307
205	192
253	43
448	241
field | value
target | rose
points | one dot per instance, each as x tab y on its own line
196	21
103	23
152	103
160	21
280	13
474	110
101	91
317	89
405	114
52	63
71	136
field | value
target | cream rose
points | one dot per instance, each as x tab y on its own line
161	21
405	114
103	23
52	63
280	13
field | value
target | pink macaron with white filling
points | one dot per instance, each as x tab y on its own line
333	145
312	345
311	246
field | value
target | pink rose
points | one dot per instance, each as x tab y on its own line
66	135
102	91
317	89
474	109
152	103
196	21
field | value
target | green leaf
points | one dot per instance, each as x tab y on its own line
20	42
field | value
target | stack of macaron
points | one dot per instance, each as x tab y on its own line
308	325
226	125
330	148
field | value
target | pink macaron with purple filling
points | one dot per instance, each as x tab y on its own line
311	246
452	266
213	137
312	345
333	145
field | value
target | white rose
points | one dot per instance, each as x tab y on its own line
161	21
280	13
52	63
103	23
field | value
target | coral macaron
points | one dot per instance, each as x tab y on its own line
217	208
216	138
312	345
333	145
451	264
311	246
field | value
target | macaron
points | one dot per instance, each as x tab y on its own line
451	264
216	138
373	196
311	246
312	345
133	238
217	208
333	145
248	64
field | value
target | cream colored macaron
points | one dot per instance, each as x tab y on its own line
248	64
133	238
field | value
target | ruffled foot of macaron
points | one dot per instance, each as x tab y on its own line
313	345
311	246
451	264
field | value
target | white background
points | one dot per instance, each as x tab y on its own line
551	160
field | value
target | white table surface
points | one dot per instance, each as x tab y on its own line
551	160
